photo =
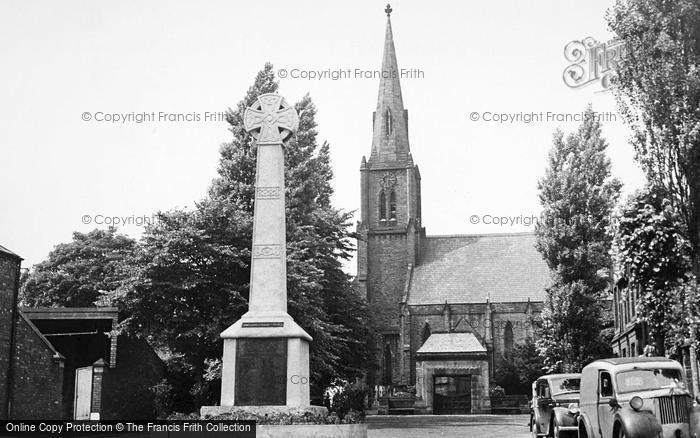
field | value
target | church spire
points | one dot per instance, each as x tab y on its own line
390	136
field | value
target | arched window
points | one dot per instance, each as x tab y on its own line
382	206
426	333
508	337
387	365
388	122
392	206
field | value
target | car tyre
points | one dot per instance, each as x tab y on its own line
622	433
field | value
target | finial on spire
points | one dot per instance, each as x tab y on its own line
388	10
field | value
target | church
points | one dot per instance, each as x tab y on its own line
445	308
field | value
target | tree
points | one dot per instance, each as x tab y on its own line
194	273
658	93
577	194
519	368
77	273
653	257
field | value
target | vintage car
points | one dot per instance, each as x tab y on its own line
638	397
554	408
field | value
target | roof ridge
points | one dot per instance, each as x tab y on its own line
447	236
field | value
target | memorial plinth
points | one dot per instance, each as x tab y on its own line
266	353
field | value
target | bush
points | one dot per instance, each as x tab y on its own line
163	398
497	391
350	398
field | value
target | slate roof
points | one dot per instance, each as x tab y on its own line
452	343
471	268
6	251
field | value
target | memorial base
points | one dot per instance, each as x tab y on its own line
265	363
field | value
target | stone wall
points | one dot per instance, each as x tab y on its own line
478	368
470	318
386	257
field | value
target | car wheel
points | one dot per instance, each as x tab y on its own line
622	433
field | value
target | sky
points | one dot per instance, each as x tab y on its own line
77	76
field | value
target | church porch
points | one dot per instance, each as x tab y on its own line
452	375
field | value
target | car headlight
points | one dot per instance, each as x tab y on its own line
636	403
573	408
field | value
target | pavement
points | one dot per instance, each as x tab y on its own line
480	426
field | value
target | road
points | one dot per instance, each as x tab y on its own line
479	426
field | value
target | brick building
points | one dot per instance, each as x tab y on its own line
66	363
446	307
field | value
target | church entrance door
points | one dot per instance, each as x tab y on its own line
452	395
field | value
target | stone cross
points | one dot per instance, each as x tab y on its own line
270	120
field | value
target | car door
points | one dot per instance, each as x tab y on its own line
544	410
606	413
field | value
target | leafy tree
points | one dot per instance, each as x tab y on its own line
76	273
519	368
577	194
658	92
653	257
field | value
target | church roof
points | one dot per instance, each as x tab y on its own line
473	268
451	343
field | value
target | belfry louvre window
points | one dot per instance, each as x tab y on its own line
388	122
392	206
382	206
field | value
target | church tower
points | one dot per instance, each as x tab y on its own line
390	230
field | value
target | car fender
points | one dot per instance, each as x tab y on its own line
563	417
584	422
695	420
639	424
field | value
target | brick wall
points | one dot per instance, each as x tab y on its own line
8	277
38	377
126	388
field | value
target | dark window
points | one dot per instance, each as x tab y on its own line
392	206
382	206
606	389
508	337
426	333
387	364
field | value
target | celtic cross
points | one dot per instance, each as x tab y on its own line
270	119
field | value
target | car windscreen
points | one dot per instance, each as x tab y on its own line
565	385
649	379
